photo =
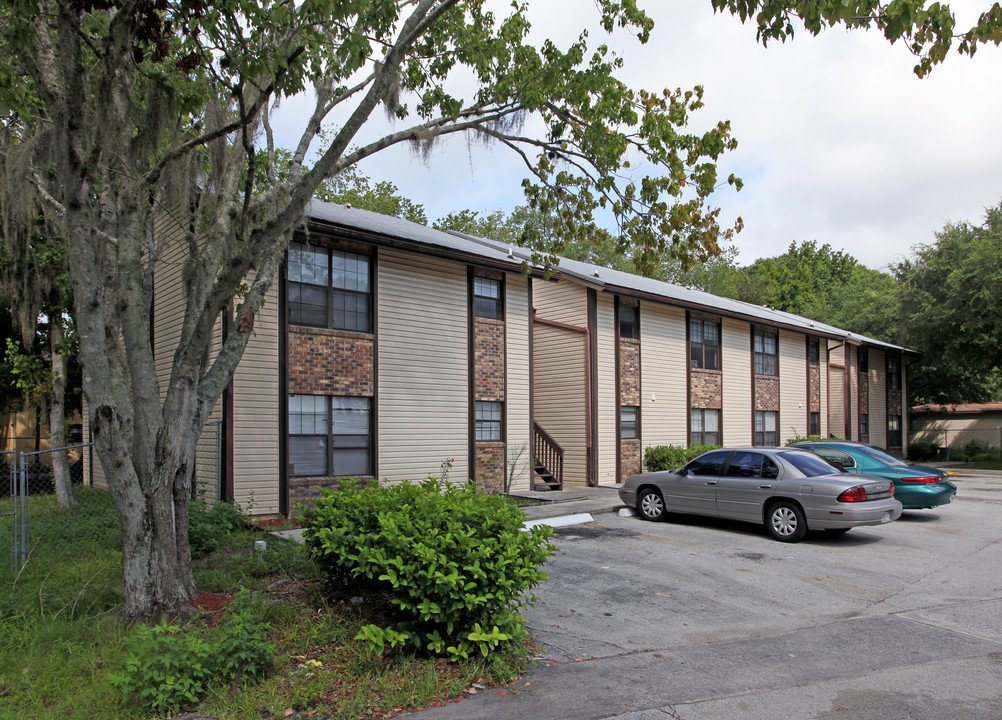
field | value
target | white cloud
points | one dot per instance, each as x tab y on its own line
839	142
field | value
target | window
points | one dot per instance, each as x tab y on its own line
329	436
629	423
328	288
864	361
705	427
708	464
765	427
704	344
893	372
894	431
745	464
766	353
488	420
815	421
629	326
814	352
487	298
864	425
835	457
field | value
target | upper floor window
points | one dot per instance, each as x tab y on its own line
704	344
628	321
329	288
864	361
487	298
893	372
814	352
766	353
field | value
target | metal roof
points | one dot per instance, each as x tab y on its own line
496	253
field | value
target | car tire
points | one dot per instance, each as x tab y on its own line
786	522
651	505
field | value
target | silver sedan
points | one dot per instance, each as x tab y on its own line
787	490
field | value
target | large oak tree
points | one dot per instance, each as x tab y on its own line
120	111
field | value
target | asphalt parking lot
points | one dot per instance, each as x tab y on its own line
698	619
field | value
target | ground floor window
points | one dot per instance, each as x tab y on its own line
765	428
488	420
864	427
894	431
704	426
815	430
629	423
329	436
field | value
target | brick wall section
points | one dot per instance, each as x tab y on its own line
488	361
489	471
706	389
629	372
630	457
894	402
766	392
330	362
814	391
306	489
864	394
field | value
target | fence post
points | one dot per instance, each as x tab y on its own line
22	550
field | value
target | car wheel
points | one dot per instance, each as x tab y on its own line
651	505
786	522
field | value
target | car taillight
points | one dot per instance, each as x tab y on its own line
853	494
923	479
892	489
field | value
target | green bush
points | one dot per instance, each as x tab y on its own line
209	525
923	451
456	564
977	451
672	457
169	667
810	438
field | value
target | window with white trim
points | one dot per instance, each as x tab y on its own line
765	428
329	436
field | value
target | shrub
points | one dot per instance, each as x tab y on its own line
977	451
810	438
169	667
209	525
923	451
456	564
672	457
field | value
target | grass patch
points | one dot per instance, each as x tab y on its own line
61	639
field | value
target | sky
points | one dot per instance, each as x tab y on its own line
838	141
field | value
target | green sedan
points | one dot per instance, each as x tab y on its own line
915	486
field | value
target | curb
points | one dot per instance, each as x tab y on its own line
560	521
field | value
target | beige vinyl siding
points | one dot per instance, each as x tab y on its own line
256	412
735	358
792	386
423	367
607	442
836	389
853	393
559	394
664	420
878	398
517	328
565	302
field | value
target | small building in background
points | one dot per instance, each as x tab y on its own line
956	427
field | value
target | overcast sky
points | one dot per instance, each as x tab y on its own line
839	141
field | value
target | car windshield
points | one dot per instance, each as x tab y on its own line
810	464
881	456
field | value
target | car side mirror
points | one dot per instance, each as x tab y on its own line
682	471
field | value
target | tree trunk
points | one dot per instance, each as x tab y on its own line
57	423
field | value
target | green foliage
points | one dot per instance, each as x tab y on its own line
210	525
949	295
980	452
30	373
453	561
672	457
380	639
809	438
923	451
170	667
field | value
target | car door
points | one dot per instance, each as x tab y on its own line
747	481
695	488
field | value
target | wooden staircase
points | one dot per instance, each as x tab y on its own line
548	460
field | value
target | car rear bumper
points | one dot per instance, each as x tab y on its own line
915	496
849	515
